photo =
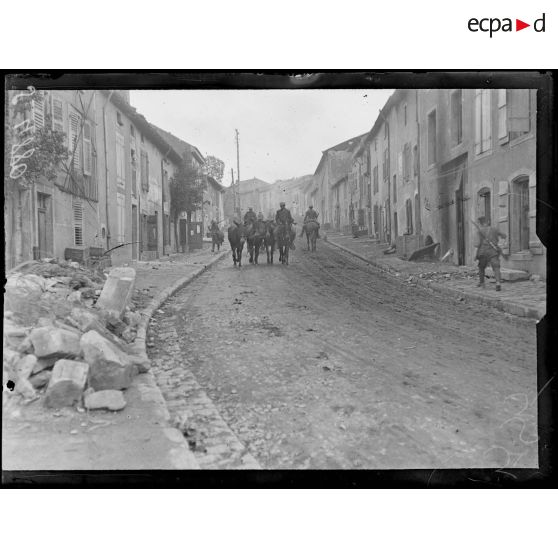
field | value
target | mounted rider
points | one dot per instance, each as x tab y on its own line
250	217
311	215
284	217
214	228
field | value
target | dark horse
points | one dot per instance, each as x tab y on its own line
283	237
237	236
254	239
217	238
311	228
269	240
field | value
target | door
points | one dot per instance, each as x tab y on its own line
134	232
182	233
195	235
460	222
524	215
152	233
43	226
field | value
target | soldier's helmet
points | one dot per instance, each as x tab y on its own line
250	209
310	207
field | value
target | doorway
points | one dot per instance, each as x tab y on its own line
44	226
460	222
134	232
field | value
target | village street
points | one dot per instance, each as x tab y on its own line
330	363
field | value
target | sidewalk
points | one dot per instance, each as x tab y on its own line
521	298
138	437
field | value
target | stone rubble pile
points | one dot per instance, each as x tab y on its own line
69	336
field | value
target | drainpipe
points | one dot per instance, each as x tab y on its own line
419	210
106	169
163	197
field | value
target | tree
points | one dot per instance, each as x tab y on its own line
186	191
214	167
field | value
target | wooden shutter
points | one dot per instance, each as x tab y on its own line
78	222
120	173
504	213
486	121
519	110
57	115
502	114
73	144
87	151
121	216
478	126
38	108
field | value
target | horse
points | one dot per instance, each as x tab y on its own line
217	238
311	228
237	236
283	236
269	240
255	239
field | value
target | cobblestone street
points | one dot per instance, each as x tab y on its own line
330	363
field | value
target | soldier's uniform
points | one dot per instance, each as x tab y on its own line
250	217
488	252
311	215
283	216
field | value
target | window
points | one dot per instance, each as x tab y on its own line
87	149
456	117
78	222
519	215
132	131
405	115
483	135
431	137
407	161
502	115
144	171
57	115
74	145
519	112
415	161
375	144
394	188
385	166
121	217
409	215
395	226
484	207
119	119
133	161
375	179
120	169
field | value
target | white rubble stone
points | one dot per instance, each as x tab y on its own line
67	383
117	291
24	367
110	368
111	399
53	341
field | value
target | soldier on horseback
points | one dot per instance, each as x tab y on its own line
284	217
250	217
311	215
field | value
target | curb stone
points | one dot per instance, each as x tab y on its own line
181	456
503	305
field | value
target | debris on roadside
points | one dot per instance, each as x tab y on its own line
60	345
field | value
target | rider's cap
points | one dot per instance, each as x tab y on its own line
310	207
282	204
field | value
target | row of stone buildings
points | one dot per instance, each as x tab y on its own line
113	195
264	197
433	161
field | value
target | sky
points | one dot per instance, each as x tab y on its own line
282	133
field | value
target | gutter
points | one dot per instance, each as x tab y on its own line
106	169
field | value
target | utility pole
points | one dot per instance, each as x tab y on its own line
237	196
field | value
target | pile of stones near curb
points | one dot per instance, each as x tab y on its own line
69	337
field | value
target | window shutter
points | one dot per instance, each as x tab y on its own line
119	159
502	114
478	112
87	151
486	121
504	213
57	115
78	223
519	110
38	108
73	144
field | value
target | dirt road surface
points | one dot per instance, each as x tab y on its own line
329	363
